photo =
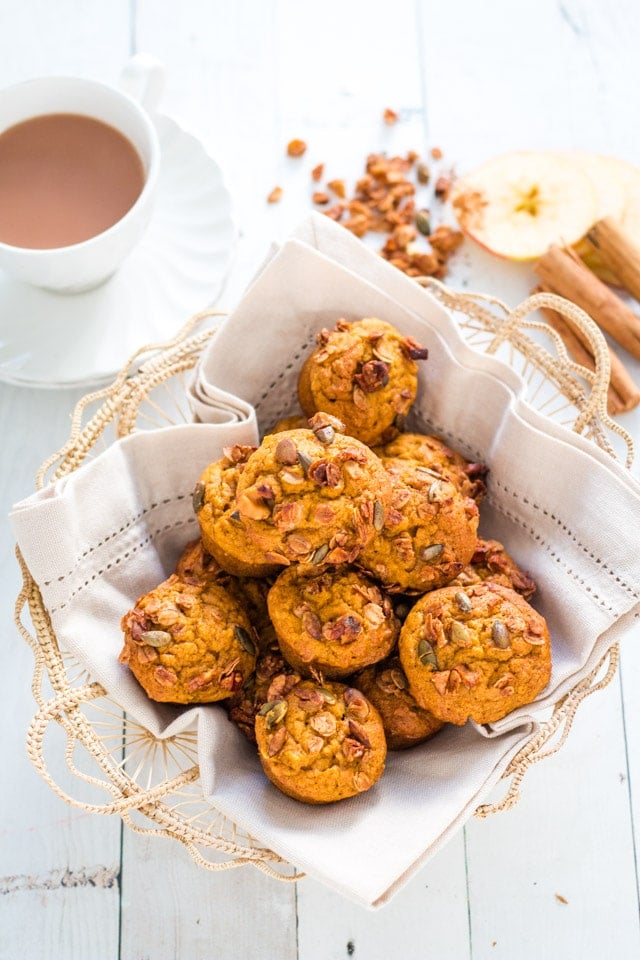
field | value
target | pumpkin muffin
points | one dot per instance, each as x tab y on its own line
319	744
492	562
195	564
303	495
213	503
474	652
428	535
405	723
333	621
434	454
188	643
366	374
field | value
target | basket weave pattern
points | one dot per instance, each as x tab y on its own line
154	784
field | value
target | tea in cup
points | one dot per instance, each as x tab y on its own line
79	165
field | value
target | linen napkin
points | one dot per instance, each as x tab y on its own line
97	539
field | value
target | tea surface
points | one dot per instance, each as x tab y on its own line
63	179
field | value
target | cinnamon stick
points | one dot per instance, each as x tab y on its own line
623	394
619	252
563	272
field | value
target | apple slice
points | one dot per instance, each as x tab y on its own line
617	185
517	204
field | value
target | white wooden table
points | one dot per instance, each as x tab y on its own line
474	79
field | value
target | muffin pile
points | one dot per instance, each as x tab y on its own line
339	602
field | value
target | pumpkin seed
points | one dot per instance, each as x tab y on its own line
156	638
426	655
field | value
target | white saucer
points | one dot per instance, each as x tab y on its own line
178	268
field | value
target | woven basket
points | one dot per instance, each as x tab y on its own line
154	784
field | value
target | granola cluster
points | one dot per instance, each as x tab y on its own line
339	602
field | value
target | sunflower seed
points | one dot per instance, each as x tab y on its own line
320	553
500	635
431	553
423	222
244	639
434	491
378	516
198	496
460	634
156	638
274	715
426	654
325	434
463	601
304	461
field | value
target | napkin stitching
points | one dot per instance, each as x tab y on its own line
567	530
126	526
296	357
549	549
185	521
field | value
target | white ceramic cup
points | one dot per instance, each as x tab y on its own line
82	266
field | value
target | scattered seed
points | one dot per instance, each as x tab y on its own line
198	497
235	516
244	640
399	679
463	601
423	222
431	553
500	635
156	638
426	655
422	172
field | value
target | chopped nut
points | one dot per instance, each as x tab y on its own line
338	187
296	148
275	196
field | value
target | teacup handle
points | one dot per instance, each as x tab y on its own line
143	79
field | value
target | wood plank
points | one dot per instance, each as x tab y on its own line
569	838
60	866
571	833
431	909
232	915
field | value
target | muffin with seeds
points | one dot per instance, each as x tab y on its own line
332	621
475	652
188	642
366	374
310	495
428	534
405	723
492	562
319	744
435	455
214	503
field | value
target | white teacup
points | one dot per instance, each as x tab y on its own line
84	265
